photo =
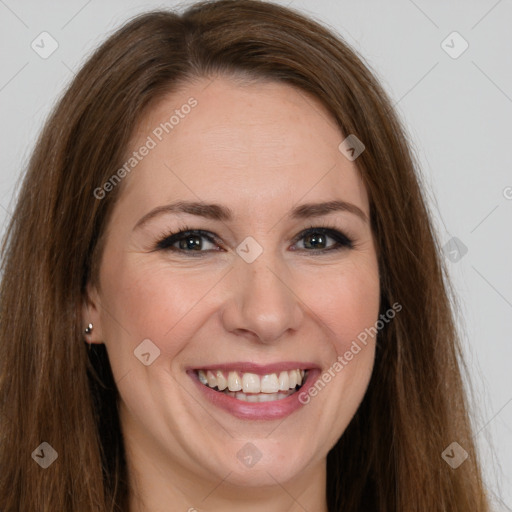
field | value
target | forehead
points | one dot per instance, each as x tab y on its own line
254	145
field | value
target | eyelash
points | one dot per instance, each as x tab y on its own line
167	240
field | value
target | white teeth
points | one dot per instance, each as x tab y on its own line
252	397
212	380
270	383
202	377
234	382
252	383
284	381
222	382
259	397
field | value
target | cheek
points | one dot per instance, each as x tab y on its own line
347	301
156	302
348	304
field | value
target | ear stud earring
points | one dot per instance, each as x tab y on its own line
88	329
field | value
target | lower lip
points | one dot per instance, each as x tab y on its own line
257	410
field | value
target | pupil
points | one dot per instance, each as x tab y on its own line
318	239
195	243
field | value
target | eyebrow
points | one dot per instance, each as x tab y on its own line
225	214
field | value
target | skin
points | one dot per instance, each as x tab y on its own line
260	149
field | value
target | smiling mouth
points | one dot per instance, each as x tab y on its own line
251	387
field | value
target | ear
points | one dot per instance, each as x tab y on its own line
91	314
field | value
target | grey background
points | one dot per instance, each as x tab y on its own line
457	111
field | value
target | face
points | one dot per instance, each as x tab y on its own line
264	290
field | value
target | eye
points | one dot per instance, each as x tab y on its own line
196	241
315	240
187	240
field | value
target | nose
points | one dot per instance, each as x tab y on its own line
261	303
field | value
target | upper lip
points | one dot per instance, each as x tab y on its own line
258	369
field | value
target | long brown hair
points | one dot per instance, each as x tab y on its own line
55	388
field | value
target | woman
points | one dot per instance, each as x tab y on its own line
221	287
